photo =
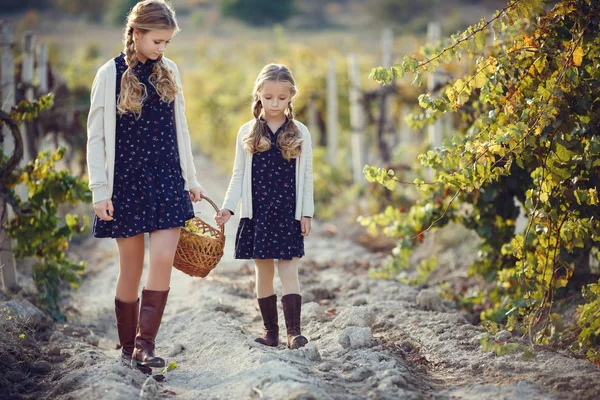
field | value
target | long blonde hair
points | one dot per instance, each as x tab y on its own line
146	16
289	141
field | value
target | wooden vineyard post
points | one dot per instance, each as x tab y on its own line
332	113
7	82
357	120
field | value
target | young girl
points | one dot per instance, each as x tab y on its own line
141	171
272	175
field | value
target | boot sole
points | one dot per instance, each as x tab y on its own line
148	364
264	343
141	368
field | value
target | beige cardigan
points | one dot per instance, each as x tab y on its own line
240	186
101	129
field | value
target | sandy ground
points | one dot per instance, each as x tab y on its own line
368	339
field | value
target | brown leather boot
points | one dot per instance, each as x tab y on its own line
127	319
292	306
151	312
268	310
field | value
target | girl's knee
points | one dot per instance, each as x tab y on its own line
264	267
131	270
262	275
130	277
162	256
287	268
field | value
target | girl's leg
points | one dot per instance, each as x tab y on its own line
265	272
291	301
163	244
288	273
131	263
267	302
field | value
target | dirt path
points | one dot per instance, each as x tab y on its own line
368	339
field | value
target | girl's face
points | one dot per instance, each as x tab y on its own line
275	97
152	44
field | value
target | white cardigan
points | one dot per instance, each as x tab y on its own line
101	129
240	186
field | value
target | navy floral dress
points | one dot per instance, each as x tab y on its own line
273	232
148	191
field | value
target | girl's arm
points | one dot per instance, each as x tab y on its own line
190	179
96	158
234	191
308	205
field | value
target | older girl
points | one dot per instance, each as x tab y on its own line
141	171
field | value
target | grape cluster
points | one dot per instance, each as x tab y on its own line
191	227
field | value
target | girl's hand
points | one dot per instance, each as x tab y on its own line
305	225
222	217
104	210
196	194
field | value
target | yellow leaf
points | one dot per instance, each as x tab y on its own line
540	64
459	85
532	70
479	80
451	93
544	197
491	66
592	197
578	56
561	282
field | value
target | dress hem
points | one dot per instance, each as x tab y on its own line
266	258
150	230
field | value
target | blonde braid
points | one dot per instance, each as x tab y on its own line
133	92
257	108
290	141
163	79
257	140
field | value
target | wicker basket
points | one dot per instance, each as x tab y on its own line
197	255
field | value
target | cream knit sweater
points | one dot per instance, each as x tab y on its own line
101	129
240	186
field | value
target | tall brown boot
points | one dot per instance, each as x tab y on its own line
268	310
153	306
292	306
127	320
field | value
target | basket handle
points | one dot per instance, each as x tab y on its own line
212	203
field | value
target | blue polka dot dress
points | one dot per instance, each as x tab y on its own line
273	232
148	191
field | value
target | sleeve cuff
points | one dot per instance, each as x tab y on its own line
194	184
100	193
228	206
